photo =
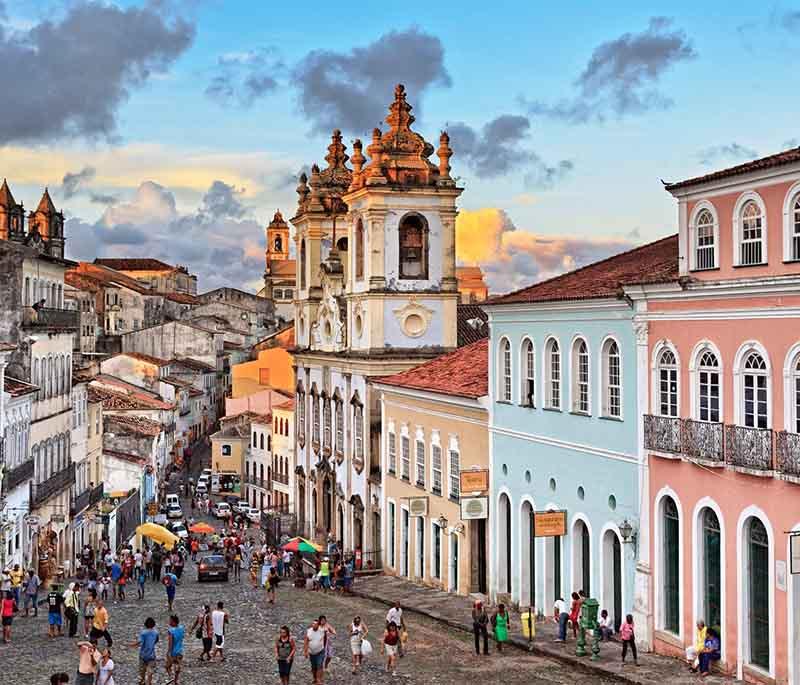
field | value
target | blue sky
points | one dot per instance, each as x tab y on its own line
712	85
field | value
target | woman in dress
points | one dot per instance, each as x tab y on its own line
285	649
389	646
358	631
204	630
88	612
105	673
330	633
501	621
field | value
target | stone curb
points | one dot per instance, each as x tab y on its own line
531	647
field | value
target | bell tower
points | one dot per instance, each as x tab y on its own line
277	250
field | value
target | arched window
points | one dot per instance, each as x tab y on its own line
667	383
754	396
612	380
261	442
580	377
705	247
708	392
711	571
303	264
528	360
505	370
758	596
301	416
326	424
339	426
795	229
670	523
582	557
359	251
413	233
796	395
315	418
751	242
358	432
552	375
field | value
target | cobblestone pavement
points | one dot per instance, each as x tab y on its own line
436	653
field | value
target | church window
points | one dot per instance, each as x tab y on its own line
302	264
359	256
413	247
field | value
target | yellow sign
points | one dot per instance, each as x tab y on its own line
547	524
475	480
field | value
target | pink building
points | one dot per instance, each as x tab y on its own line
722	434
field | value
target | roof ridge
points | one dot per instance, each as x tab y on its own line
492	300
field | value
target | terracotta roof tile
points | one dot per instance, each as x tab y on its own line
472	324
124	401
182	298
136	424
135	264
781	158
133	458
652	263
177	382
194	392
193	364
146	358
288	405
464	372
283	267
18	388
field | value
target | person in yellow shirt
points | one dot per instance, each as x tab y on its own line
693	651
16	574
100	623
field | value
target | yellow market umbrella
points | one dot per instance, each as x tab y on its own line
157	533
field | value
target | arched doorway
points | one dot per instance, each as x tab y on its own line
758	591
527	556
710	571
454	551
581	558
504	545
670	555
611	597
327	505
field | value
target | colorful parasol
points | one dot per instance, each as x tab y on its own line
301	545
202	528
157	533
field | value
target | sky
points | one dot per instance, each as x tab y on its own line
175	128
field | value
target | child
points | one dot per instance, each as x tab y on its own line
272	583
628	637
103	585
121	583
141	577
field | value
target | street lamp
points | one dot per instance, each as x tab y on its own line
441	521
628	533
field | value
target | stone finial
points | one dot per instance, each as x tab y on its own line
315	198
358	158
400	117
302	189
444	153
336	157
375	152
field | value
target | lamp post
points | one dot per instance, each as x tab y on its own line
629	535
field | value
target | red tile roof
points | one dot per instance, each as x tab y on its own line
781	158
288	405
652	263
124	401
17	388
136	424
146	358
472	324
182	298
134	458
107	276
135	264
464	372
193	364
194	392
283	267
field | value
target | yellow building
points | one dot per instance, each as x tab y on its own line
230	444
434	420
272	370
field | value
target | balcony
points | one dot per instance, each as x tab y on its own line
703	440
663	434
58	482
787	448
749	448
86	499
51	318
281	478
19	474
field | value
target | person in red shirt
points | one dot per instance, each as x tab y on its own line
8	607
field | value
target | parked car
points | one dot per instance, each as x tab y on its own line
241	506
221	510
179	529
201	489
212	567
175	512
173	500
253	514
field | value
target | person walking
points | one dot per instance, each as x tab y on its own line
55	600
8	607
103	584
272	584
325	574
148	638
116	574
395	615
237	564
170	581
330	633
105	673
16	574
156	560
501	622
88	611
314	650
628	637
480	622
219	619
390	647
72	608
88	658
285	649
175	635
100	624
141	578
32	585
204	631
358	631
574	613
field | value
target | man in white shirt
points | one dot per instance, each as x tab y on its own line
219	617
561	617
137	559
395	615
314	650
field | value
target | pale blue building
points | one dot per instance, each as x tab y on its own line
565	434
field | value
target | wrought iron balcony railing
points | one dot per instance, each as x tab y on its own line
19	474
662	433
58	482
787	447
281	478
51	318
86	499
703	440
749	448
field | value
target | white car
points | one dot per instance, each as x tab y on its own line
241	507
175	512
180	530
201	489
253	514
222	510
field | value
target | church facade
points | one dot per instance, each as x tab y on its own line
376	294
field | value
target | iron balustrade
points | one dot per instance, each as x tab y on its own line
662	433
46	317
281	478
787	448
749	448
703	440
19	474
86	499
58	482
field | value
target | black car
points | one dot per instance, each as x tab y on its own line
212	567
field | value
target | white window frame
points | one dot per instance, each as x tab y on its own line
738	226
436	474
694	238
552	400
605	380
405	454
789	234
577	383
791	384
739	373
505	363
435	527
391	450
527	363
658	367
419	460
453	474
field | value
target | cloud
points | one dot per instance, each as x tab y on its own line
513	258
62	89
730	152
348	90
152	204
222	202
543	176
622	76
242	78
71	183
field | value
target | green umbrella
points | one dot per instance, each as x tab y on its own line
301	545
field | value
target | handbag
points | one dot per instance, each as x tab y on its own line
366	648
199	633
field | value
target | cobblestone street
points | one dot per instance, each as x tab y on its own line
436	654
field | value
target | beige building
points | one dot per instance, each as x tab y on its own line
434	420
155	274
